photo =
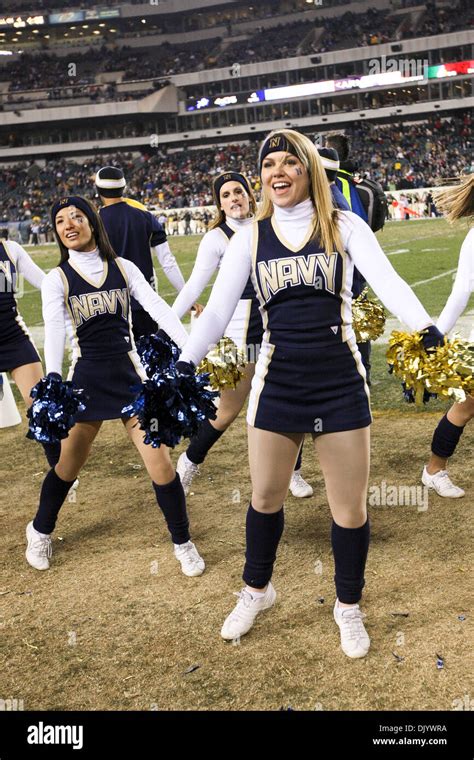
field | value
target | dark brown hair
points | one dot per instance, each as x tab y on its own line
99	234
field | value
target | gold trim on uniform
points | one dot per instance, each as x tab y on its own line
81	274
360	366
76	347
258	383
285	242
227	238
137	365
130	320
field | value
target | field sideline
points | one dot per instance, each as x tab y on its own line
114	625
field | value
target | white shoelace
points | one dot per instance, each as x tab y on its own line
242	607
352	622
298	479
42	546
190	552
189	473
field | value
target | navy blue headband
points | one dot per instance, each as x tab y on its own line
74	200
273	144
229	177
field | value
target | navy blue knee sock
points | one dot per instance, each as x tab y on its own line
172	502
52	452
53	492
204	440
263	532
445	438
350	547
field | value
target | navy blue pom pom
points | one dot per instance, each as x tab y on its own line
157	352
54	409
173	402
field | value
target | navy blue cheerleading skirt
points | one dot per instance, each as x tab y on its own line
17	352
246	328
309	390
108	384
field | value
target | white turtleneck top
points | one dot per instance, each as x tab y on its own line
209	257
24	264
56	317
360	244
462	288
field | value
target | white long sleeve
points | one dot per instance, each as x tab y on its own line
169	265
230	282
365	251
361	245
156	307
209	257
25	265
462	288
55	317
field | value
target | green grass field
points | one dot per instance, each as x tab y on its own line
419	250
425	253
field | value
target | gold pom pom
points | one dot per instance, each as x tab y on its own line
450	369
225	364
447	371
368	318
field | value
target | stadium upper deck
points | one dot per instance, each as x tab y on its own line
325	65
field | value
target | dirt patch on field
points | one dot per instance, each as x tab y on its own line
115	625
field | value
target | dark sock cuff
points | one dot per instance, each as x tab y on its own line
446	438
167	487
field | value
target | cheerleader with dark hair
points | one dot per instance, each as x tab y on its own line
309	377
91	289
235	209
456	203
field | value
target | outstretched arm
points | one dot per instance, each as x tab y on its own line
225	295
54	317
371	261
156	307
169	265
25	264
210	252
462	288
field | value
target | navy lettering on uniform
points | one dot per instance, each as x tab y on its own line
100	314
302	292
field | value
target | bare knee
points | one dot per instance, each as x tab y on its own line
350	517
160	468
461	414
267	501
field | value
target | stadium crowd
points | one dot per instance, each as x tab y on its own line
44	70
399	156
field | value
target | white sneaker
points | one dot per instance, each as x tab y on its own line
299	487
39	549
355	640
442	484
242	617
74	486
191	563
186	471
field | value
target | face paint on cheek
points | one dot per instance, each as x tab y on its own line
74	214
299	171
